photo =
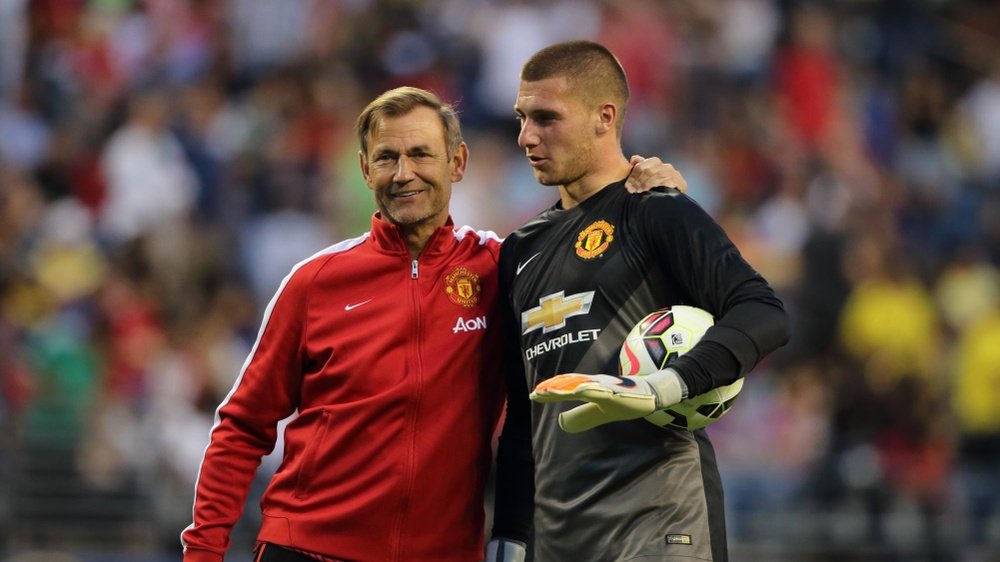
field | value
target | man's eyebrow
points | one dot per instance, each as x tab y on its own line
543	113
381	150
387	151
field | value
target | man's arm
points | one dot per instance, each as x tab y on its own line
265	392
515	485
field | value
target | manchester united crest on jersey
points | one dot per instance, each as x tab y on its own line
463	287
593	240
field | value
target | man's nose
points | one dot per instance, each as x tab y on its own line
527	137
404	170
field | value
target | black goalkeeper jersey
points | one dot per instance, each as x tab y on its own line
575	281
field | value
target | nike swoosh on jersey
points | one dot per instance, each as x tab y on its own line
350	307
524	264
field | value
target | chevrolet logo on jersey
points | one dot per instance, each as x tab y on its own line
553	310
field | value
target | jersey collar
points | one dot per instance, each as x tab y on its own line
589	202
387	237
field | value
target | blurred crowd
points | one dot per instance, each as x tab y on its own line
164	163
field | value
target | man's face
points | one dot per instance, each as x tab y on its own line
408	168
557	130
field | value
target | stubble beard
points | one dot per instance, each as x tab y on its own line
404	216
407	218
566	175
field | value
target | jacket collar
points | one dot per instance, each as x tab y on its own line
388	238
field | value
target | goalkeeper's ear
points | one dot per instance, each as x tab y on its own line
506	550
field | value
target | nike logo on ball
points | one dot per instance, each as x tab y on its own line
350	307
522	265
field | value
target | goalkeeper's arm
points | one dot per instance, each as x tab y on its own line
745	334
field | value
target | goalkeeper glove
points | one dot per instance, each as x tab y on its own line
610	398
505	550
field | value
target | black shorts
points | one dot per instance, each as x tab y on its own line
267	552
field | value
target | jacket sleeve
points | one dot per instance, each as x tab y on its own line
266	391
515	471
696	252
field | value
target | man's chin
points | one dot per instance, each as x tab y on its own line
546	179
400	218
409	218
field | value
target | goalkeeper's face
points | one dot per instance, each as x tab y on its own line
556	130
409	169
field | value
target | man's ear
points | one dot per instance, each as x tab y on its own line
607	114
363	159
458	162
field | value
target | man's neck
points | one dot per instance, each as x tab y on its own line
417	237
577	192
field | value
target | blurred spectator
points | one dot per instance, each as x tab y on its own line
968	295
976	395
967	289
747	34
888	322
982	105
771	444
279	238
64	369
890	332
24	136
266	33
13	45
645	40
149	182
808	76
509	32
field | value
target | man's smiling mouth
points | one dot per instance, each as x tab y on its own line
406	194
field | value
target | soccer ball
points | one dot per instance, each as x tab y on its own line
657	340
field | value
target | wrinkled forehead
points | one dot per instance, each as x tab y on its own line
420	126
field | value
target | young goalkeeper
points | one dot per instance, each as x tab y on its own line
608	485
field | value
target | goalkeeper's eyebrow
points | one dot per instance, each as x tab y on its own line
541	115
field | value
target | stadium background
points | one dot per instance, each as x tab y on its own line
164	163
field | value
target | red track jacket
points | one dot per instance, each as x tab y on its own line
393	366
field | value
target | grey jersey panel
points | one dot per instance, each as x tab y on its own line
618	492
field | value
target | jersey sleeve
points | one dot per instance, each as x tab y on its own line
696	252
266	391
515	486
